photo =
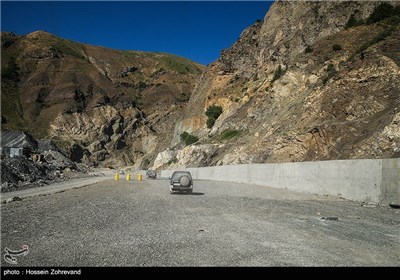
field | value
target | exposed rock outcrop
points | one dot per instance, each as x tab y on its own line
302	84
93	101
296	97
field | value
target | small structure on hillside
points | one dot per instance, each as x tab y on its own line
16	143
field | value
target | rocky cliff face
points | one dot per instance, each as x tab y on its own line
304	84
103	106
315	80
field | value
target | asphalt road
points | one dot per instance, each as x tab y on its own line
131	223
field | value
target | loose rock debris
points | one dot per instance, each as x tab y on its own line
395	205
330	218
20	173
15	198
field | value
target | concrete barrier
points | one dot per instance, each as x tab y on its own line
369	180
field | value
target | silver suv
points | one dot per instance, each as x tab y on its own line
181	181
151	174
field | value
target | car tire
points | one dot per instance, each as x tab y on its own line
184	181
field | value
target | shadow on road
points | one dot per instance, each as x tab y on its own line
193	193
196	193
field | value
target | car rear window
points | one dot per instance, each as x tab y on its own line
177	175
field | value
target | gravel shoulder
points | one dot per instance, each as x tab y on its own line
132	223
56	187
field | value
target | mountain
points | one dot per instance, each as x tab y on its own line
101	105
315	80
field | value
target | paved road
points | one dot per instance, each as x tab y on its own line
222	224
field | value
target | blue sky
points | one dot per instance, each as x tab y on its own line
196	30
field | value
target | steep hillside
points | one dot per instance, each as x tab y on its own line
315	80
102	105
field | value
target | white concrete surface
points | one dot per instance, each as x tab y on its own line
369	180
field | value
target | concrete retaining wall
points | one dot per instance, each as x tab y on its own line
370	180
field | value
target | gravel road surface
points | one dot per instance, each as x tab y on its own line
132	223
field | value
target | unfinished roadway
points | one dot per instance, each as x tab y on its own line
132	223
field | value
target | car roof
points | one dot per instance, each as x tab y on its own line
184	172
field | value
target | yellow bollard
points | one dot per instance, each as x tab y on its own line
128	177
116	177
139	177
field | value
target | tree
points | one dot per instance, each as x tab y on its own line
213	112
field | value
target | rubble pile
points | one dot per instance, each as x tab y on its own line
19	173
45	163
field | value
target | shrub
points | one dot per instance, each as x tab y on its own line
229	134
213	112
210	122
308	49
191	139
279	72
395	20
336	47
141	85
351	22
173	160
183	136
188	138
381	12
330	68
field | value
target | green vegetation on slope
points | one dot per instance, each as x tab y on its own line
229	134
43	62
66	47
279	72
175	63
383	11
213	112
386	16
188	138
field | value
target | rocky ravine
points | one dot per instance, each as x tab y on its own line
289	95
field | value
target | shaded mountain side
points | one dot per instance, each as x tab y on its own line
316	80
101	105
